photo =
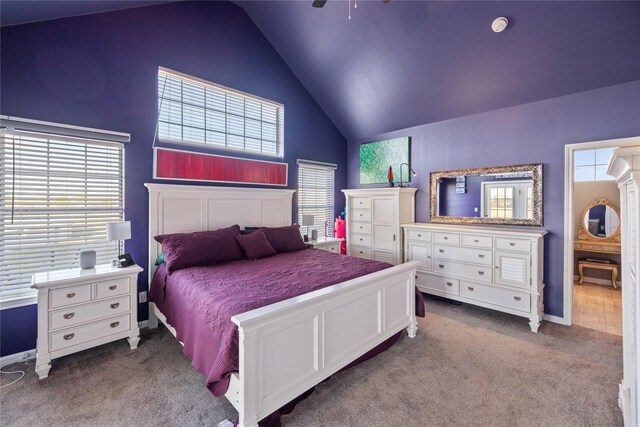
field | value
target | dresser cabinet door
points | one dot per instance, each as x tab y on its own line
513	269
421	253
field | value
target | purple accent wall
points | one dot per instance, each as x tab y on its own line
529	133
100	71
18	329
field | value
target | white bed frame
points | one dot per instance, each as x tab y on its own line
287	347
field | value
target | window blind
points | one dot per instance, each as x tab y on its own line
56	197
195	111
316	193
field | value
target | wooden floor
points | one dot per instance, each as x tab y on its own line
597	307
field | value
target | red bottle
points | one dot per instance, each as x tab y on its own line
390	176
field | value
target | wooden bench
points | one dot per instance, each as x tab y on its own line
582	264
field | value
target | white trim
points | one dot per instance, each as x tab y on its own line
155	164
555	319
569	220
22	356
21	301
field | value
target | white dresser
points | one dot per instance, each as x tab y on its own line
374	219
497	268
625	167
79	309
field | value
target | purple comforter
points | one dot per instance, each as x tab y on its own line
200	301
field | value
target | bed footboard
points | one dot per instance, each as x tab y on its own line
288	347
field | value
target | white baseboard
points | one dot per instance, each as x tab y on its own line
606	282
23	356
555	319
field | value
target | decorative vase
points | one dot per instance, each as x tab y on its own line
87	259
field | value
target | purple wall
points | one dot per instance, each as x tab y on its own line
101	71
529	133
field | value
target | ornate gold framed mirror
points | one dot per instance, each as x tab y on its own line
600	222
507	195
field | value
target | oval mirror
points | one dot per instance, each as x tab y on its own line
601	219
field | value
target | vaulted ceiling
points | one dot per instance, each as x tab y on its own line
405	63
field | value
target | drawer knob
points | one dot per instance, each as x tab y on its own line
480	256
429	257
517	298
113	287
441	251
361	252
512	244
361	227
446	238
114	324
440	265
481	272
449	284
470	288
476	240
68	336
361	240
68	315
115	305
419	235
71	295
497	267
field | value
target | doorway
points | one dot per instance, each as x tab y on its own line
592	247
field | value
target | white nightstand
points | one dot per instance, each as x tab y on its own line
330	244
79	309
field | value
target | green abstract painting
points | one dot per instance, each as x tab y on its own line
376	157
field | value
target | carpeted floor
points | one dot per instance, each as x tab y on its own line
467	367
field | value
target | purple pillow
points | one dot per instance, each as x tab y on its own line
285	239
255	245
184	250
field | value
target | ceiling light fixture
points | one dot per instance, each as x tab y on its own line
499	24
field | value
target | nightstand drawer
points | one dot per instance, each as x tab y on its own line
88	312
84	333
112	288
71	295
333	247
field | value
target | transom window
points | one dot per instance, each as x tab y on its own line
195	111
56	196
591	165
316	190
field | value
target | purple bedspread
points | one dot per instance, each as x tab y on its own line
200	301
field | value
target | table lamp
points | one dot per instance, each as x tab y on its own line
117	231
307	220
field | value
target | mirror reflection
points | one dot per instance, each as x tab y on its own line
495	195
601	220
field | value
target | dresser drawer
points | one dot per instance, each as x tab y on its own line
513	244
511	299
80	334
331	247
361	203
361	215
424	236
360	252
71	295
438	285
456	253
88	312
473	272
477	241
112	288
449	238
361	227
361	239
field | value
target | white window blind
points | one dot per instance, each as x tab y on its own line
195	111
316	190
56	197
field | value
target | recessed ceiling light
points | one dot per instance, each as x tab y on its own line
499	24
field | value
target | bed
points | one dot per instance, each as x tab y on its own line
286	347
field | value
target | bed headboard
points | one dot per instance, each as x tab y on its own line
188	208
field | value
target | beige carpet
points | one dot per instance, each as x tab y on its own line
467	367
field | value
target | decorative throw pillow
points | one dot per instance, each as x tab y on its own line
160	259
184	250
255	245
285	239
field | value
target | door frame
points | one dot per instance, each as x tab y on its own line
569	218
